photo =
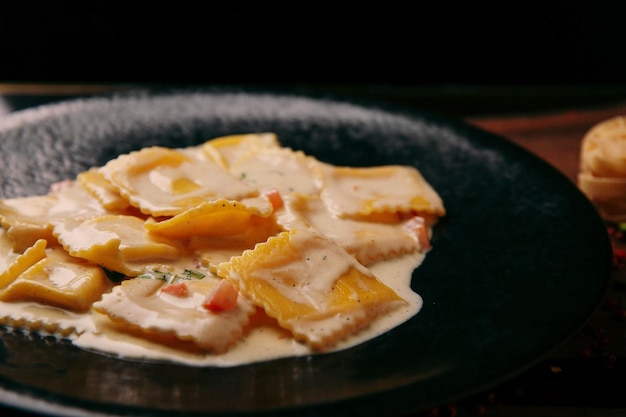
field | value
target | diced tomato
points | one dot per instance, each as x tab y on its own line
274	197
222	297
179	289
417	225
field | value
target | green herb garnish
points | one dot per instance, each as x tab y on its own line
170	277
191	274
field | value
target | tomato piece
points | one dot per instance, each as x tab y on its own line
222	297
179	289
417	226
274	197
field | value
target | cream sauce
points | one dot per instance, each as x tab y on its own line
265	341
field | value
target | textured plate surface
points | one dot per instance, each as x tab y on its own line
518	265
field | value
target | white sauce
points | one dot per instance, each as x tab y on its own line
264	342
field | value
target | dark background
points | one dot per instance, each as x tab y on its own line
416	43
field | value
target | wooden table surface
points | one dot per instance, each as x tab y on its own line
553	136
587	375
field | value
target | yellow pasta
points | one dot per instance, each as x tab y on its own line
117	242
26	210
109	196
217	249
59	280
166	182
367	241
203	249
142	305
75	202
366	192
24	236
22	262
302	278
282	169
213	218
230	149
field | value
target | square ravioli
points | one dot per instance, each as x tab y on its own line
373	191
367	241
235	250
165	182
55	279
159	310
311	286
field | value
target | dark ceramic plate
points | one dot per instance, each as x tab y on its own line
518	265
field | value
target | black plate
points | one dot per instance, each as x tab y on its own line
518	265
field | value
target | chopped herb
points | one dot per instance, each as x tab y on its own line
193	274
170	277
163	276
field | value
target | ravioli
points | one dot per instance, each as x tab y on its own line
142	305
166	182
311	286
367	241
18	263
26	210
230	149
117	242
59	280
26	220
368	192
95	182
282	169
202	249
213	218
